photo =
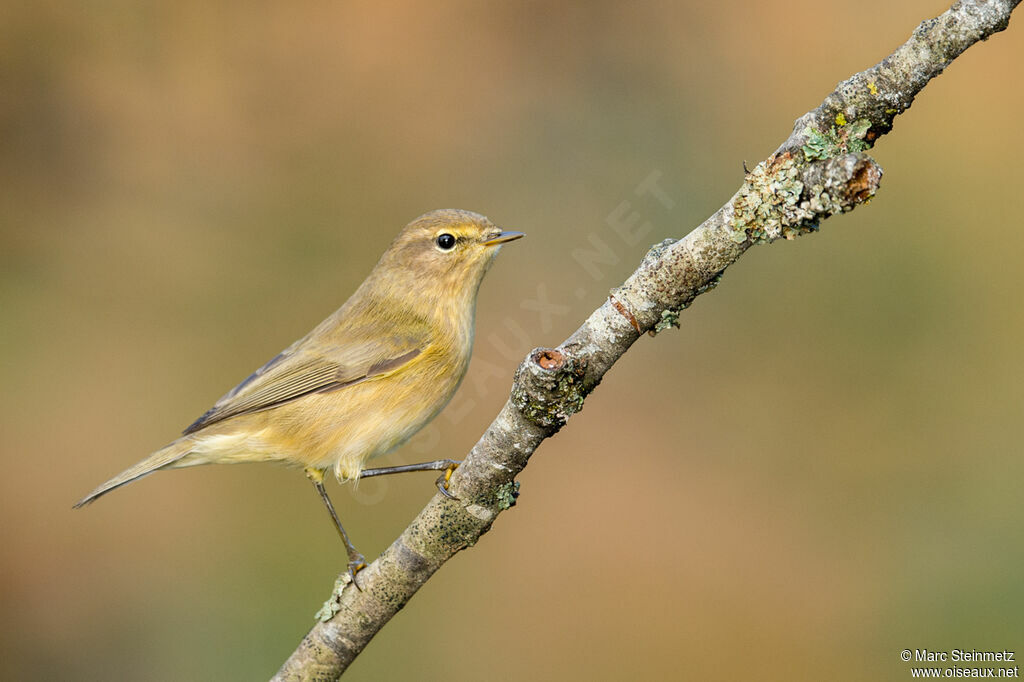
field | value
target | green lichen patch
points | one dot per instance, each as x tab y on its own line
775	201
857	136
848	138
669	319
506	495
820	145
766	200
333	603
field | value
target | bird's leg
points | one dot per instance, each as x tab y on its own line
447	465
356	561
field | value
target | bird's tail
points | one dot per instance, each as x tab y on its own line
172	456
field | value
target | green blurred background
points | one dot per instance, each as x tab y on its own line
821	468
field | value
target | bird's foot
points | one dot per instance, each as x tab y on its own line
356	563
445	477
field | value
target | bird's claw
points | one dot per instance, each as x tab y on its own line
355	564
445	477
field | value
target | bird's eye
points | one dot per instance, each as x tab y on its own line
445	242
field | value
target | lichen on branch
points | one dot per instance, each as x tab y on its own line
785	196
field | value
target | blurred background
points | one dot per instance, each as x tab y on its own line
820	468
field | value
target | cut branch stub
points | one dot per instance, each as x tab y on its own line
849	180
548	387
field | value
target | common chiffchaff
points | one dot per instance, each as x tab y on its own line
366	378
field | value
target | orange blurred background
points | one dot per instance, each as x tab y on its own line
821	468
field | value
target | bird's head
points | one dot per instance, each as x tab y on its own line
444	252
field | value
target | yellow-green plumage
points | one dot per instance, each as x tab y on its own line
365	379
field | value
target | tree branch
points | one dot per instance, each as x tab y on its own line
819	171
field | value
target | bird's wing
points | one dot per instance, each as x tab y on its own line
301	370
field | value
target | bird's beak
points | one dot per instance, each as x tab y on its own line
503	237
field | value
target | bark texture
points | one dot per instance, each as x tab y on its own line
820	170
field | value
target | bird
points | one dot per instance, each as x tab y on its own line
364	380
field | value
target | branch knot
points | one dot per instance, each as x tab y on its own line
548	387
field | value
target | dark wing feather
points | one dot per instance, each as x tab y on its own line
297	372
